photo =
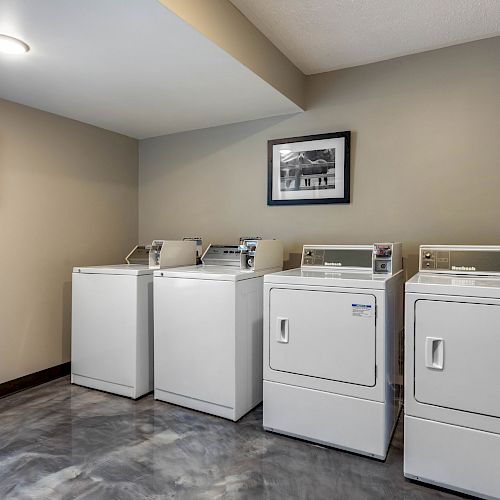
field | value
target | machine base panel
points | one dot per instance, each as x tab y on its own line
453	457
348	423
101	385
203	406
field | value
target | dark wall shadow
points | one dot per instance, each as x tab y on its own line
294	260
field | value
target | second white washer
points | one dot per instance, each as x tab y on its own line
208	332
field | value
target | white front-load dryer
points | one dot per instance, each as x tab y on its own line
331	338
452	373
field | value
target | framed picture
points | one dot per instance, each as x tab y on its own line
309	170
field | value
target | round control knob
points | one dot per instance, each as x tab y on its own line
427	255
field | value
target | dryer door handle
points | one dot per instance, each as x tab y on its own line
282	330
434	353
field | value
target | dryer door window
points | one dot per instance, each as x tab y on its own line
456	356
328	335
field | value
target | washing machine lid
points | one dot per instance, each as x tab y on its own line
347	279
209	272
458	285
123	269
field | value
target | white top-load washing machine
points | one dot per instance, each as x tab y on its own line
112	319
452	372
208	329
331	335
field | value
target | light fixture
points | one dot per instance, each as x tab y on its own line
11	45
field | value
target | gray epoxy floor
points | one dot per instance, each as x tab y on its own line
59	441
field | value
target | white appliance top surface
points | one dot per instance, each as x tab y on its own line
449	284
210	272
129	269
348	279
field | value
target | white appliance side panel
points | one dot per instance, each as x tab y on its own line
331	419
104	327
456	356
145	338
194	332
329	335
248	347
453	457
394	325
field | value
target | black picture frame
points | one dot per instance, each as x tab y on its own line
299	182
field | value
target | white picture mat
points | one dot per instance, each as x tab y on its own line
337	192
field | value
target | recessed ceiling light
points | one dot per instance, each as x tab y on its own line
11	45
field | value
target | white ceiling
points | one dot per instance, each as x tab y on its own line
323	35
130	66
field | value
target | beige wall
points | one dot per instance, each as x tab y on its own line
425	168
425	160
68	196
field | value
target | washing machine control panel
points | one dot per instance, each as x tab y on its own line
252	254
456	259
155	254
199	246
139	255
222	255
248	247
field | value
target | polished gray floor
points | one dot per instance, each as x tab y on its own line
59	441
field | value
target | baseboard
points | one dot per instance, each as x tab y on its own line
34	379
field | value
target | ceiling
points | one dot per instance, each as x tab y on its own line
324	35
130	66
135	67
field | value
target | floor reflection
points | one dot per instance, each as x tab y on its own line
59	441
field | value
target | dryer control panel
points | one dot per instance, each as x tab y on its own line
383	258
459	259
378	258
337	256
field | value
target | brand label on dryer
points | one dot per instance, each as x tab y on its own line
362	310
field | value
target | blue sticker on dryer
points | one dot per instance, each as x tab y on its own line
362	310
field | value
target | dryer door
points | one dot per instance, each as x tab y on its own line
323	334
456	355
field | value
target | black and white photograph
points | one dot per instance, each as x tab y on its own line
309	170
